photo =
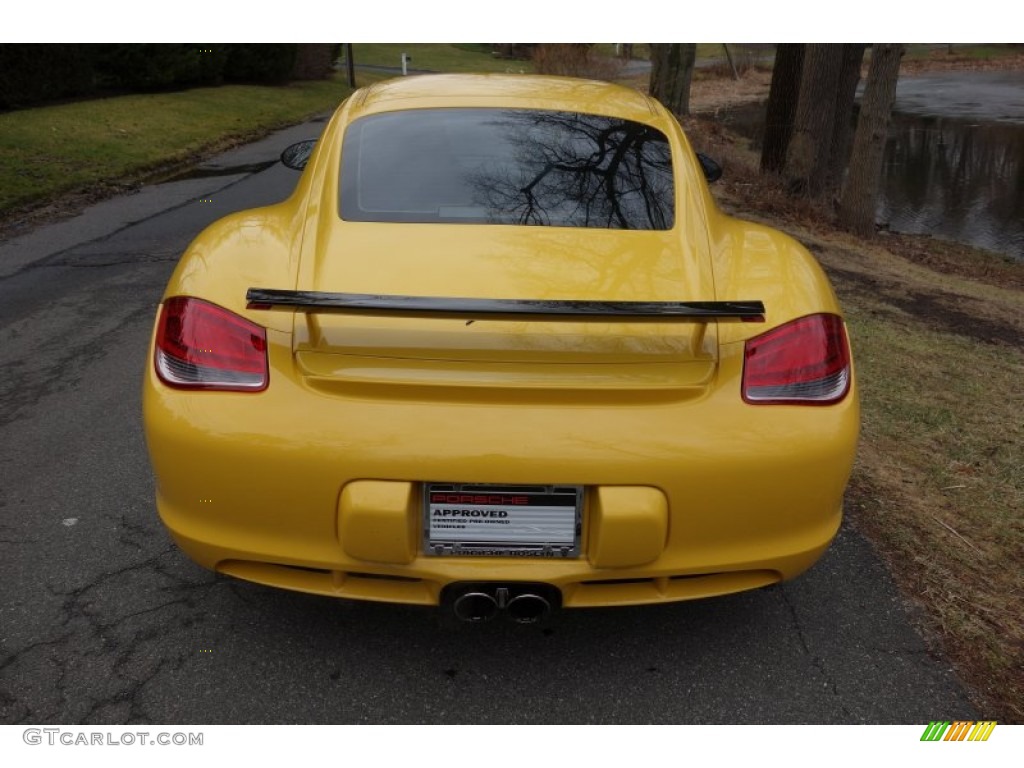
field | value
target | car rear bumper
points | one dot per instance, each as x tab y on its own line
581	587
253	485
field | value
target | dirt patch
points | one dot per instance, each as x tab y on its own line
708	96
952	258
935	310
940	310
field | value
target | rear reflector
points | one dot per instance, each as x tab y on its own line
806	361
202	346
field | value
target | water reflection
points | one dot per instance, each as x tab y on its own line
958	180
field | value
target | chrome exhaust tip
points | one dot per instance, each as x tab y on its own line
528	608
475	607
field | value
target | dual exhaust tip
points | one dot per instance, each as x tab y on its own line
521	604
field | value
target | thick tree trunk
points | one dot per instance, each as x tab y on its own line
671	73
782	98
842	129
807	159
860	193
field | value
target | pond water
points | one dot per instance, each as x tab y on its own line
954	159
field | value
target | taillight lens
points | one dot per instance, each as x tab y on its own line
202	346
806	361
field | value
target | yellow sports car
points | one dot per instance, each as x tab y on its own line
500	352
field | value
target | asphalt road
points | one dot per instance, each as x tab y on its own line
103	620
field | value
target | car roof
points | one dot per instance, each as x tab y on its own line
501	90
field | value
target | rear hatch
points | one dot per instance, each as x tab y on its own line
471	261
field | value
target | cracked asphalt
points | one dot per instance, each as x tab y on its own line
104	621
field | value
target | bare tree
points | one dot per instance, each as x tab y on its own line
860	193
782	98
671	73
842	128
807	158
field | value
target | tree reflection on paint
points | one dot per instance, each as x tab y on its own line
524	167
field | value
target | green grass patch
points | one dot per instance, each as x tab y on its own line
949	401
50	150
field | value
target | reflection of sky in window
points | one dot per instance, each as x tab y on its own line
509	167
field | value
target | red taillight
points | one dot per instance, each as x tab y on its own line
202	346
806	361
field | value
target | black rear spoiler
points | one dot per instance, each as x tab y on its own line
372	304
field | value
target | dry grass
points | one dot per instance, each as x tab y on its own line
939	483
930	58
711	93
574	60
746	58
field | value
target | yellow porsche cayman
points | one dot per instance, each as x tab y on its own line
499	351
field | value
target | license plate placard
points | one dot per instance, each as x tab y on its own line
502	521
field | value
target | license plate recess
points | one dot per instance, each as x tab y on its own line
463	519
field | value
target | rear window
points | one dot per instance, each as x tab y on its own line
507	166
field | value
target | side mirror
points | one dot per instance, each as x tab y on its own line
712	170
297	155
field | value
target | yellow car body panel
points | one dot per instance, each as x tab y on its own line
316	483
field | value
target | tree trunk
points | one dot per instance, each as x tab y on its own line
732	64
860	193
807	159
778	120
671	72
842	129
